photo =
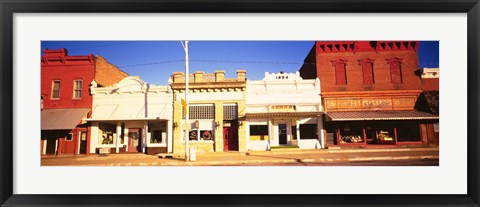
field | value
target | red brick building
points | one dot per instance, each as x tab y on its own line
369	90
66	99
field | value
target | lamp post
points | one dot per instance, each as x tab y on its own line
185	48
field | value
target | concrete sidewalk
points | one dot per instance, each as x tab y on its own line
277	157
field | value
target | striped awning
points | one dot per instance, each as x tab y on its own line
379	115
285	114
60	119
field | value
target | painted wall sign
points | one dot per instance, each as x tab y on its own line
370	103
282	108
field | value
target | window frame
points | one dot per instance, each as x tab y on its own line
75	89
365	69
335	64
71	137
398	61
53	88
198	114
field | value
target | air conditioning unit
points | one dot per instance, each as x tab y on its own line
104	151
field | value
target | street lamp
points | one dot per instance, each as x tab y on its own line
185	48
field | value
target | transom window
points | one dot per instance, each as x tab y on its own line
202	111
230	112
55	89
77	89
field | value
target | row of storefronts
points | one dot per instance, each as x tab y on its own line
235	114
310	111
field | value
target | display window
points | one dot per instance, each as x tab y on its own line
258	132
384	134
351	133
107	133
408	132
308	131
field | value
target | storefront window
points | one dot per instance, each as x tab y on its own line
351	133
308	131
206	135
258	132
408	133
202	135
157	132
106	133
384	135
156	137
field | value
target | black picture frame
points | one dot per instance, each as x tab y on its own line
10	7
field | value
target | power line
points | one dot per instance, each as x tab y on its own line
220	61
82	48
154	63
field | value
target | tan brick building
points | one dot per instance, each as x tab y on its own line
216	112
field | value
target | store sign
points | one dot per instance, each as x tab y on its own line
282	108
369	103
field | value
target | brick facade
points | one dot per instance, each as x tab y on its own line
381	68
368	76
58	66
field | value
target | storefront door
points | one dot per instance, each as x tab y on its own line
83	142
282	134
230	138
226	138
133	140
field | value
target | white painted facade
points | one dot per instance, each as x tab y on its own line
132	108
278	106
430	73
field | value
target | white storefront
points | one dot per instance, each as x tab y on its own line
131	116
284	110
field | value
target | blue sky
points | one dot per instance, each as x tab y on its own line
155	61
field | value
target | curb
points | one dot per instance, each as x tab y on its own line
334	151
267	162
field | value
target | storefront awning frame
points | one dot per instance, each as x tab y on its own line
284	114
379	116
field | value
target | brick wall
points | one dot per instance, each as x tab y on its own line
106	73
66	69
381	67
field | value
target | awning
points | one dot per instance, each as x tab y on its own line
58	119
379	115
152	111
285	114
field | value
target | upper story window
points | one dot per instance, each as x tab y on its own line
230	112
202	111
340	71
395	70
55	89
367	70
77	89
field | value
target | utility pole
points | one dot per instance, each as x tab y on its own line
185	48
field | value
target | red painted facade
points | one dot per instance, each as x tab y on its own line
430	84
383	74
56	65
394	65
